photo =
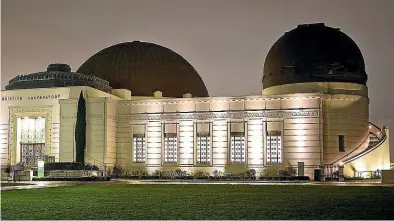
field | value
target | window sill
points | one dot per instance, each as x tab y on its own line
203	165
170	164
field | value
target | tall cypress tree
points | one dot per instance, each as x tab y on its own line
80	130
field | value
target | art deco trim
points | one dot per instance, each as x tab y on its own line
14	111
345	115
91	116
112	117
68	101
215	115
217	99
68	117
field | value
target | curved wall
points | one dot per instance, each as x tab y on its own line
374	160
345	108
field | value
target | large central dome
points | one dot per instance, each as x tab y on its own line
144	68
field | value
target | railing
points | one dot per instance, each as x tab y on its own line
357	152
331	172
97	163
370	147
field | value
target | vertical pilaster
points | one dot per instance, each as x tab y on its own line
186	141
220	142
154	143
255	135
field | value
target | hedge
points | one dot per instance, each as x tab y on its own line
72	179
156	177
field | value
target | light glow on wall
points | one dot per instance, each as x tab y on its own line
219	137
154	139
299	132
300	126
255	142
186	142
301	138
154	143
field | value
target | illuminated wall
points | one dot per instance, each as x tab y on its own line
255	146
219	143
376	159
186	143
101	127
31	103
345	111
294	121
154	143
305	127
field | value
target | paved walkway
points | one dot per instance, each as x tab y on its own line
41	184
256	182
51	184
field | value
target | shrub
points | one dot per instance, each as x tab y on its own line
7	170
216	173
287	171
251	172
285	178
279	170
117	171
72	179
66	166
271	171
201	175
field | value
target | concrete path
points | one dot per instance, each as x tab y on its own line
25	185
256	182
51	184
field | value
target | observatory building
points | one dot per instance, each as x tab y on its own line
147	108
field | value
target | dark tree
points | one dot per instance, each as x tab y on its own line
80	130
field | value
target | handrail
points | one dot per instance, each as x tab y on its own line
100	164
368	149
378	129
95	161
382	136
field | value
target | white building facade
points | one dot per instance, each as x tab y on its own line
316	117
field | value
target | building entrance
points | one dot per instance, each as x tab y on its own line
31	139
31	153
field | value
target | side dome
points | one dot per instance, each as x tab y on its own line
57	75
314	53
144	68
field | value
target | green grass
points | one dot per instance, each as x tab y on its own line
12	184
125	201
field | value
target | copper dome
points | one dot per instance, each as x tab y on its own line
314	53
144	68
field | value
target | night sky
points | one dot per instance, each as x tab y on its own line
226	41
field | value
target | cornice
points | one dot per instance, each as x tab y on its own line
219	115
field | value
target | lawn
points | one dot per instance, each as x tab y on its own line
125	201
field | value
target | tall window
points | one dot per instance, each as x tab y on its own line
238	148
203	148
274	147
139	148
341	143
170	148
32	130
31	139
